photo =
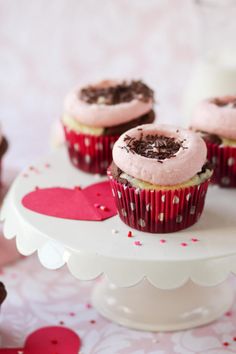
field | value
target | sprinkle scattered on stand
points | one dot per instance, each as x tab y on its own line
194	239
92	321
88	306
47	165
78	188
162	241
137	243
61	323
225	344
184	244
103	208
130	234
114	231
72	314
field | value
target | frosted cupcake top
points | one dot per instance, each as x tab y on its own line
160	154
109	103
216	116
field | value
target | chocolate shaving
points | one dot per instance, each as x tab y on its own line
225	101
112	95
153	146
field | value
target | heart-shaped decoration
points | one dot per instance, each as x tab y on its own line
49	340
94	202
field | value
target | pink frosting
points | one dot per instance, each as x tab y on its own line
214	119
174	170
100	115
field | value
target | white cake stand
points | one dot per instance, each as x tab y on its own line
169	282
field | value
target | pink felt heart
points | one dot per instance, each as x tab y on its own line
49	340
94	202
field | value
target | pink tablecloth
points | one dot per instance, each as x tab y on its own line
39	297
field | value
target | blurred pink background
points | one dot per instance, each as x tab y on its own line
47	47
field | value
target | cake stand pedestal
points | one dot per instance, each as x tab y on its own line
165	282
148	308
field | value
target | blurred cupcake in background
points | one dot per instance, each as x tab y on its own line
96	115
3	149
3	293
215	119
159	177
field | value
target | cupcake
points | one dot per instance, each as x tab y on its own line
159	177
215	119
3	293
96	115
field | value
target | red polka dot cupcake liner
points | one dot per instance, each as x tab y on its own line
90	153
223	160
159	211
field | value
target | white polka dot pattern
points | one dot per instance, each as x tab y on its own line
142	222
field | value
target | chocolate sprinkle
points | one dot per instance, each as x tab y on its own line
225	101
153	146
112	95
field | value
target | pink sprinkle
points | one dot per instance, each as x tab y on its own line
225	344
47	165
77	188
184	244
88	306
92	321
162	241
194	239
103	208
228	313
137	243
130	234
72	314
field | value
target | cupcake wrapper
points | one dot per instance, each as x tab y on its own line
224	162
90	153
159	211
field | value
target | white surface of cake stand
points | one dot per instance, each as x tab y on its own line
167	282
